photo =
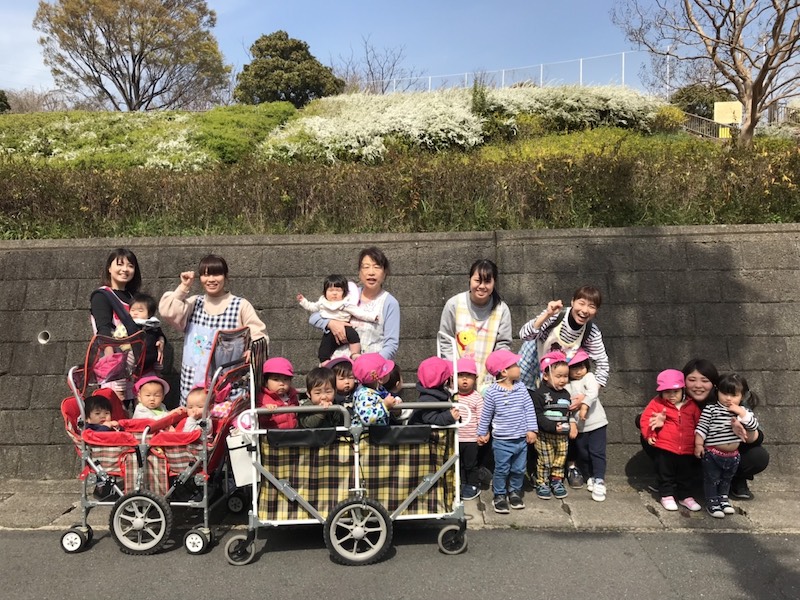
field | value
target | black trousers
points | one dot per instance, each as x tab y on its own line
329	344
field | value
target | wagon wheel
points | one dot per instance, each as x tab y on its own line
238	551
74	540
358	532
140	522
452	539
197	541
237	503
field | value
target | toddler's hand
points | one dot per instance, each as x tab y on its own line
576	401
391	401
573	431
658	419
455	413
300	297
651	440
483	440
698	450
530	437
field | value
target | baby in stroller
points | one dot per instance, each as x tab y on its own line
98	414
150	392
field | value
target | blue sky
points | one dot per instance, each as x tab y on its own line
439	37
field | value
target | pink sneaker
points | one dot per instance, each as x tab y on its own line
691	504
668	502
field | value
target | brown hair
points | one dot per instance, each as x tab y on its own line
590	293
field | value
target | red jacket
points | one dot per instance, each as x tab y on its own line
677	434
279	421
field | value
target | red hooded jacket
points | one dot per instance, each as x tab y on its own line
677	434
279	421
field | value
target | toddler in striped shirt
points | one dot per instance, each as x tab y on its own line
717	445
508	409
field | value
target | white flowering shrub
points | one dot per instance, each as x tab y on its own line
358	126
362	126
574	107
101	139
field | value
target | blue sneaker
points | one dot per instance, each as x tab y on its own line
543	491
559	491
469	492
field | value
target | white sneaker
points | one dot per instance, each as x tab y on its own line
668	502
590	484
691	504
599	490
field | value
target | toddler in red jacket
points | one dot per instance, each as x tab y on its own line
278	392
668	424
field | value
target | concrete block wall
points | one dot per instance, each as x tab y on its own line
729	294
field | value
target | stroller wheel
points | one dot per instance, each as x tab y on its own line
197	541
238	551
74	540
140	522
358	532
236	503
452	540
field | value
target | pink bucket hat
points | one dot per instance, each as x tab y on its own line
279	366
369	368
337	361
671	379
501	359
551	358
467	365
579	357
434	371
150	379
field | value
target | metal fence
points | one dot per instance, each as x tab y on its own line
620	68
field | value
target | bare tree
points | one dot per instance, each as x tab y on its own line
134	54
29	100
750	44
376	70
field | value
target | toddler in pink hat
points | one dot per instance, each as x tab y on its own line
278	392
508	411
372	403
472	455
433	377
150	392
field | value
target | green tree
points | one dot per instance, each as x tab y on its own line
133	54
5	106
751	44
283	69
699	98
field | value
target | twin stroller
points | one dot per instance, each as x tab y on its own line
145	470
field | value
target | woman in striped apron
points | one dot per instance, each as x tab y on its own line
200	317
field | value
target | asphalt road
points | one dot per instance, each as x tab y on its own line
515	564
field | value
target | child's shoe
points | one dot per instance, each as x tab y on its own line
543	491
574	477
515	500
668	502
599	490
726	506
715	510
469	492
485	475
690	503
559	491
590	484
500	504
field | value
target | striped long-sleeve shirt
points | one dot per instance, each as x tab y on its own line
509	412
592	343
715	426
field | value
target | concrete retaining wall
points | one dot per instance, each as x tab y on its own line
729	294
